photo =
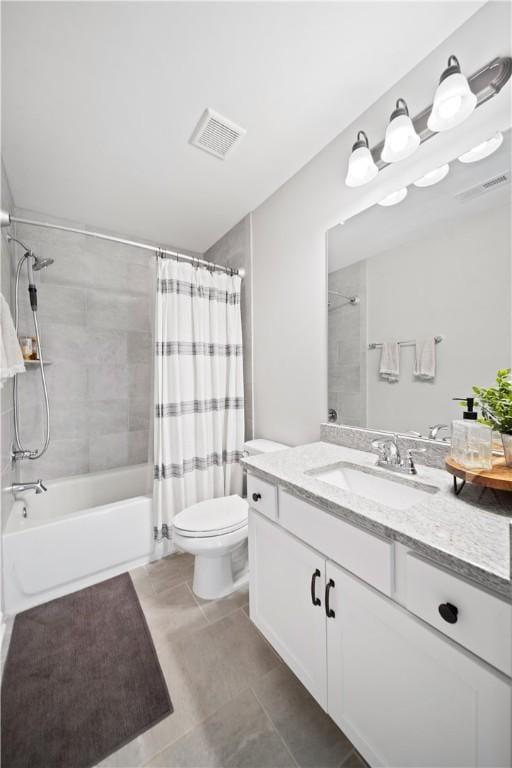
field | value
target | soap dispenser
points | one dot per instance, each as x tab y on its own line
471	442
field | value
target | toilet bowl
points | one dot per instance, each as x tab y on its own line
212	530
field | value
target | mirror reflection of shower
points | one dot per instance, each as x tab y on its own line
336	304
34	264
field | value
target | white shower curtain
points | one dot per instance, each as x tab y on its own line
199	397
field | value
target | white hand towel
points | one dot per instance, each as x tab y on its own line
11	359
390	361
425	367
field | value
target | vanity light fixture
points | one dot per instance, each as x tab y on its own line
433	177
401	138
394	197
361	165
454	100
484	149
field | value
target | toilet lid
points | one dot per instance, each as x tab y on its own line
214	516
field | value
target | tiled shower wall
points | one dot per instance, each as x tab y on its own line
96	314
347	345
5	396
6	391
234	250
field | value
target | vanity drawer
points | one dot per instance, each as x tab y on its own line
482	622
364	554
262	496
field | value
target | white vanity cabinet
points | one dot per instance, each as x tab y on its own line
404	695
286	601
401	691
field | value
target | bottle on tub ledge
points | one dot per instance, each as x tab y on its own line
471	442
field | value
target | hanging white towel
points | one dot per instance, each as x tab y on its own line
425	366
11	359
390	361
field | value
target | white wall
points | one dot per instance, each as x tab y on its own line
289	230
455	282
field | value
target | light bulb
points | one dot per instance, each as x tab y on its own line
401	139
361	166
398	139
433	177
394	197
454	100
449	107
484	149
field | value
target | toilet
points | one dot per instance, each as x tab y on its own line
212	530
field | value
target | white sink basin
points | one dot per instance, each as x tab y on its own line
389	492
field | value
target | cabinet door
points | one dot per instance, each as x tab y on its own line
405	695
286	577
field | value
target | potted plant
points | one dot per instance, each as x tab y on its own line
496	406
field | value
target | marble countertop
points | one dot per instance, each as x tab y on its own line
469	534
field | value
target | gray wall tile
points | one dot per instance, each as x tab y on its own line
234	249
107	382
115	310
6	436
138	447
107	346
96	307
106	417
108	451
347	345
64	457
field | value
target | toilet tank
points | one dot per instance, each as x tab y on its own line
260	445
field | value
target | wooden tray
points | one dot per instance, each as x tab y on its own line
499	477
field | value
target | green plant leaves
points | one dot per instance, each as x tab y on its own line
496	402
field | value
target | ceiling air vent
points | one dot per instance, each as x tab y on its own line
216	134
486	186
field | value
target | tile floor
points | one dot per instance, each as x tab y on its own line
236	704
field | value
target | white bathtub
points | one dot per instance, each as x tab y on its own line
82	530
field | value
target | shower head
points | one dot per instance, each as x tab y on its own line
41	263
38	264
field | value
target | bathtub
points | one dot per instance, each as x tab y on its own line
84	529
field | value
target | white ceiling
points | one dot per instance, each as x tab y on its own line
99	101
381	229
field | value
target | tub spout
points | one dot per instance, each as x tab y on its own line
32	485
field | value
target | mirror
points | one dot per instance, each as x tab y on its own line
436	265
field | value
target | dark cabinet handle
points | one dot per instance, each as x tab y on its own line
314	599
449	612
256	496
328	610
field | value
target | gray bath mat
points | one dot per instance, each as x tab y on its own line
81	679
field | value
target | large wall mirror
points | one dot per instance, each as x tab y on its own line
432	272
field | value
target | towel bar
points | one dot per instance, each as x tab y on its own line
376	344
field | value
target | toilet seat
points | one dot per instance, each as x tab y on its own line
214	517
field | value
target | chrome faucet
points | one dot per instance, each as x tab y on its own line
24	453
435	429
31	485
388	451
389	455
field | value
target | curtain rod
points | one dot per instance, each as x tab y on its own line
6	219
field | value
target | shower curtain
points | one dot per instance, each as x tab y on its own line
199	398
